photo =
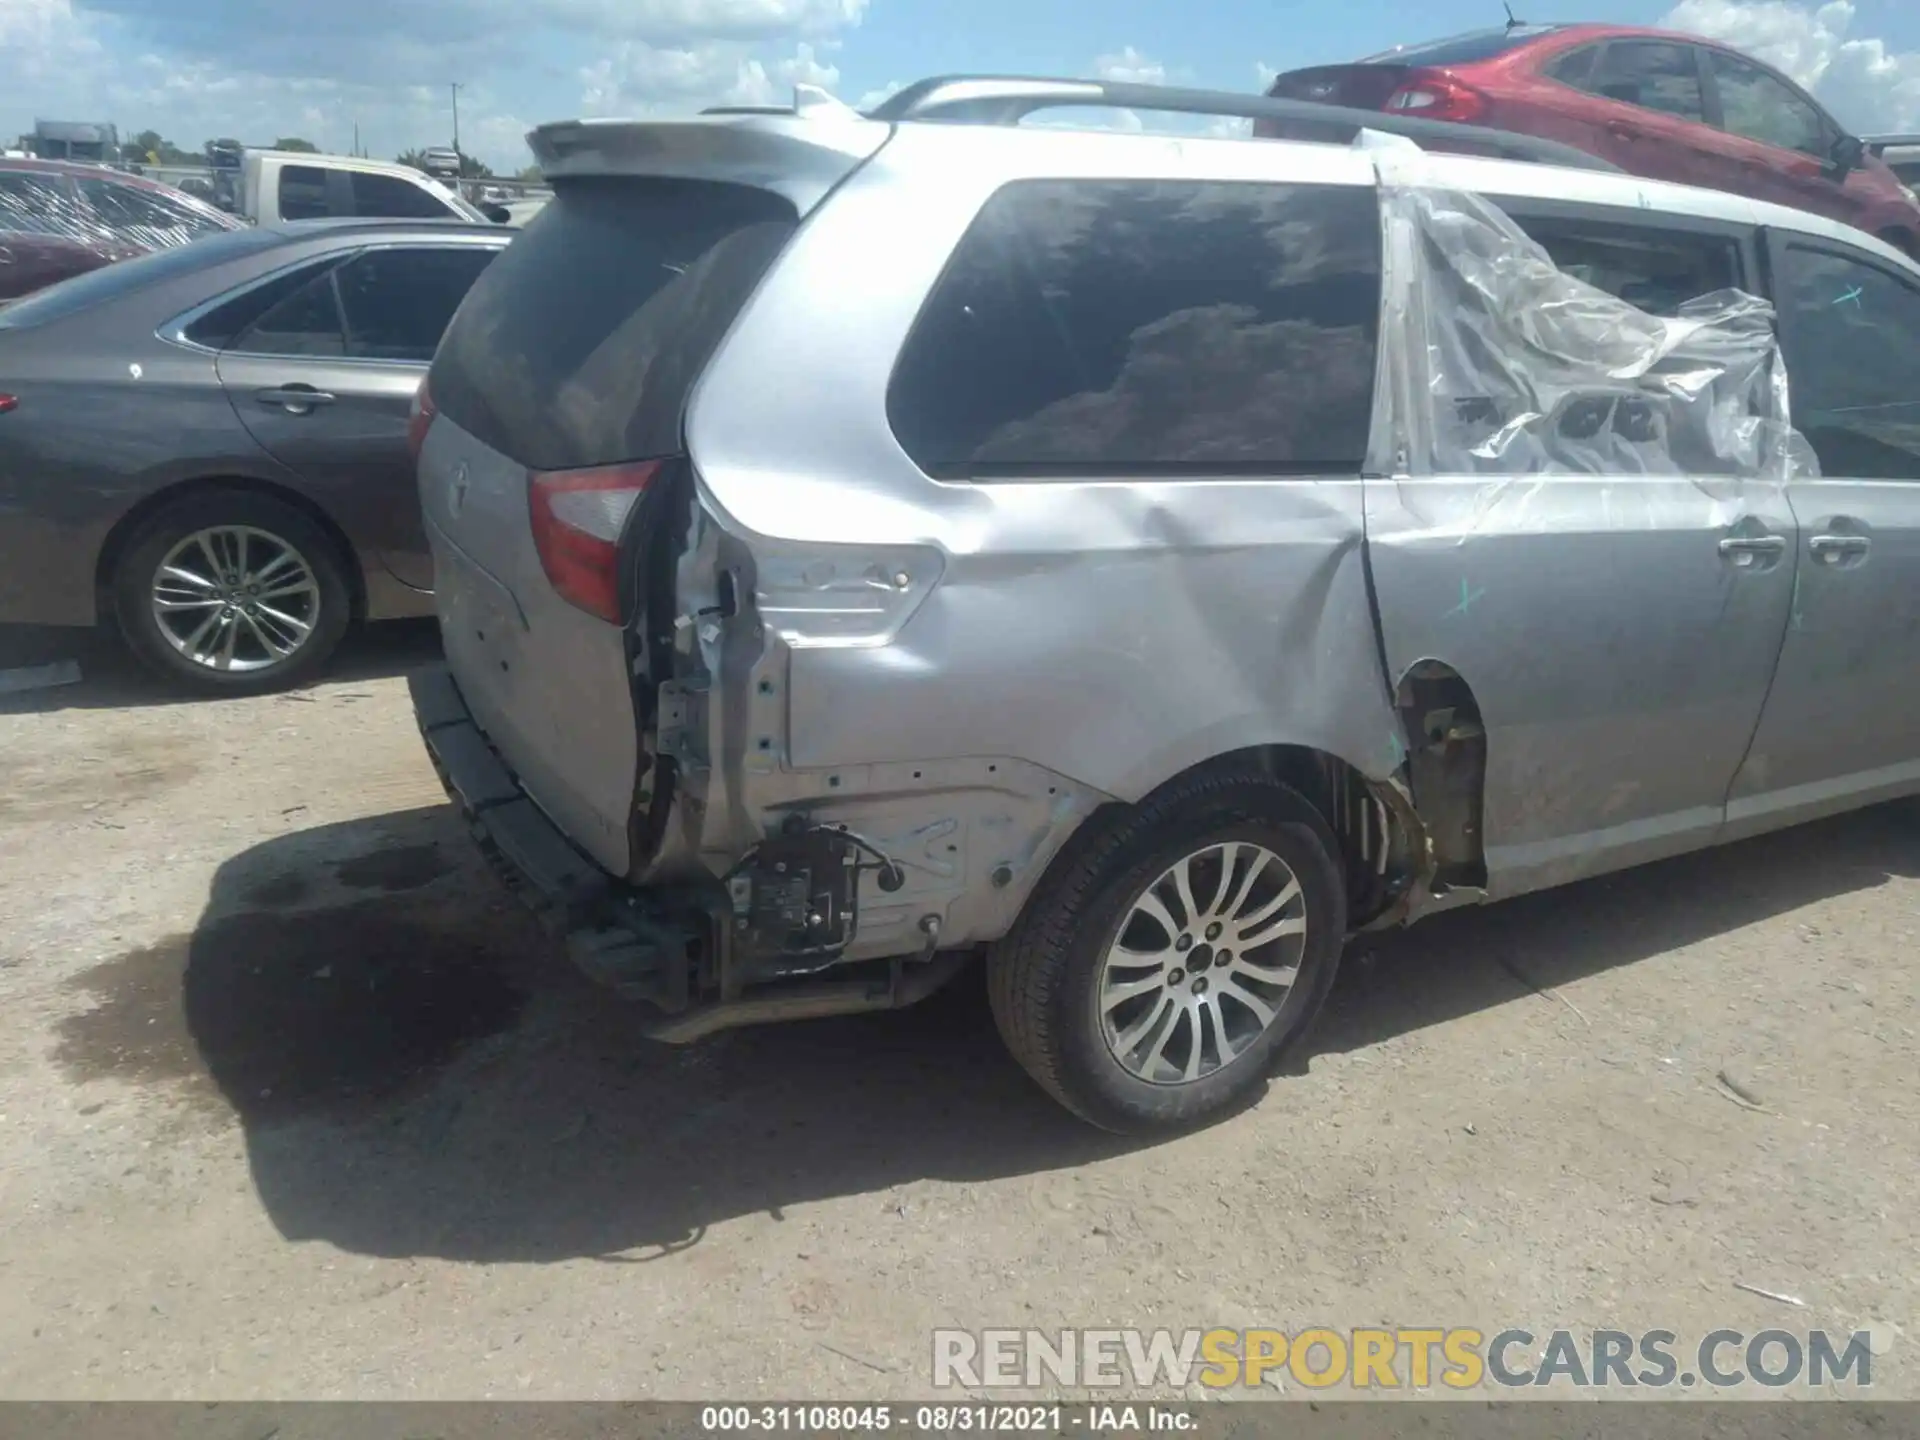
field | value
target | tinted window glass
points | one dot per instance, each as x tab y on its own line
1653	270
224	324
1576	67
1853	363
1462	49
97	287
390	195
398	302
303	193
307	322
37	206
1652	74
1123	326
579	344
1760	107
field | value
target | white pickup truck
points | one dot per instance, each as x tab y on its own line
278	185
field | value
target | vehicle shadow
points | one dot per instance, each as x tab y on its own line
418	1072
111	679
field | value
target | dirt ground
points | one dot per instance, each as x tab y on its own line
295	1103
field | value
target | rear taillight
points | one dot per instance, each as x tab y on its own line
419	420
1437	97
12	402
577	519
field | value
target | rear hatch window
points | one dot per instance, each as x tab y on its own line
579	345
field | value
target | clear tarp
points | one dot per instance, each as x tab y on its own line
1499	363
104	212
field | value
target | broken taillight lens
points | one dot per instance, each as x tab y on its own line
577	518
1433	96
419	420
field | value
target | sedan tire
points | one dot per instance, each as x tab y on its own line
1173	952
232	594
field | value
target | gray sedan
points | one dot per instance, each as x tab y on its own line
210	445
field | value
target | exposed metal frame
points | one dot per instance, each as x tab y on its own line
1008	99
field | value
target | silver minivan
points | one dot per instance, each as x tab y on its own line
865	542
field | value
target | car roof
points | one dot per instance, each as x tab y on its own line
355	227
81	170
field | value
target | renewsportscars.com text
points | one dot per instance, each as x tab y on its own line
1460	1358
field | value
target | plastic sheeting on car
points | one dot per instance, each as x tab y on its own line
1498	363
103	212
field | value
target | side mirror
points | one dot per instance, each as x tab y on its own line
1847	153
498	214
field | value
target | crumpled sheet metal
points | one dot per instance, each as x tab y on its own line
1497	363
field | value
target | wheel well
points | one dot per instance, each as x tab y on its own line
130	524
1446	770
1381	847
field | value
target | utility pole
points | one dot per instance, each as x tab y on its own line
356	137
455	88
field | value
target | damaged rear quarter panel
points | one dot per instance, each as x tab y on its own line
962	673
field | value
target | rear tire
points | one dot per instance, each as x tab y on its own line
1166	1031
231	594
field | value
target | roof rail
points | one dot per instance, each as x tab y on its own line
1008	99
1880	144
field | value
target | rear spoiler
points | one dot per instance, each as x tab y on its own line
801	152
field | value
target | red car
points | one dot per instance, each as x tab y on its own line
1667	106
58	218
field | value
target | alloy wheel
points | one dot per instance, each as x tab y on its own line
1202	963
235	598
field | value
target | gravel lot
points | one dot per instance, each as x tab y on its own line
294	1103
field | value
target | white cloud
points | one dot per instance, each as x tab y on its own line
1266	73
1128	66
641	79
260	69
874	97
1870	87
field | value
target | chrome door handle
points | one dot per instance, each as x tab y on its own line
1837	547
296	398
1744	547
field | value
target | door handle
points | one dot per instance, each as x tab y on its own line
1834	548
295	399
1742	548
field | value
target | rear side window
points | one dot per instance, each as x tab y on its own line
579	345
303	193
1093	327
305	322
1653	74
390	195
1652	269
149	214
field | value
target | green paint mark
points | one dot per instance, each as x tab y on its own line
1467	599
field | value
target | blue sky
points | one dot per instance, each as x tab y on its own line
257	69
